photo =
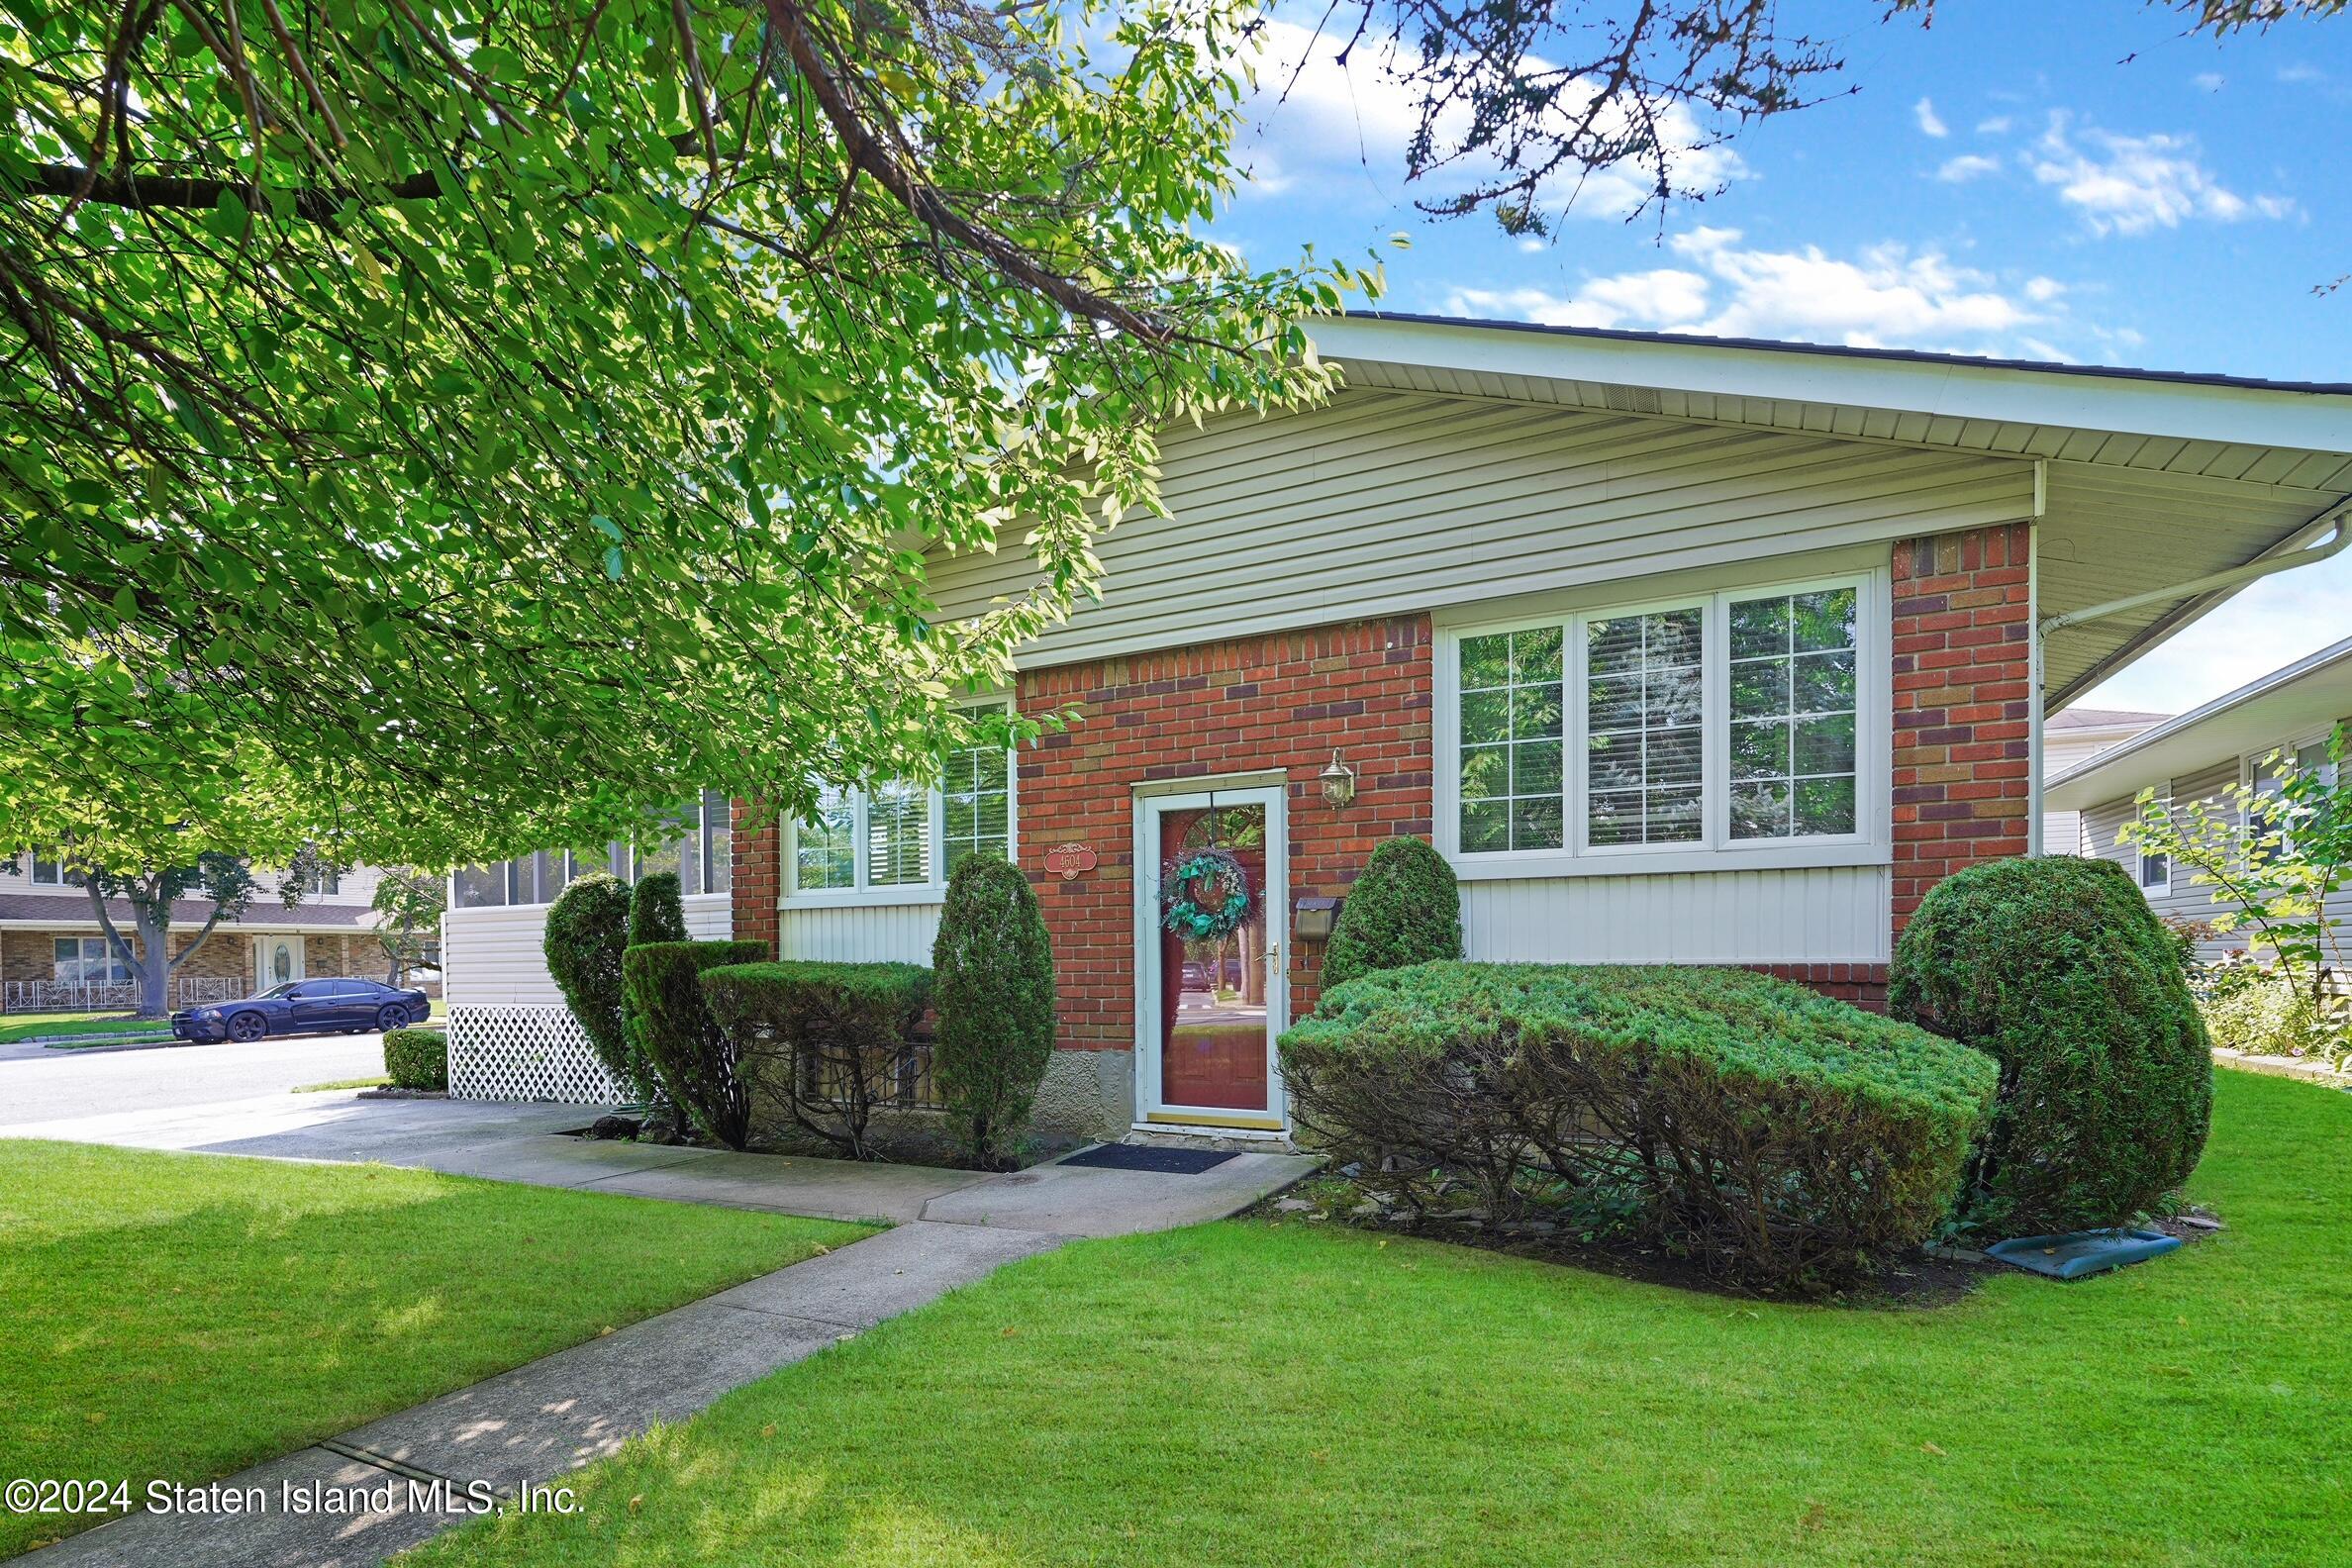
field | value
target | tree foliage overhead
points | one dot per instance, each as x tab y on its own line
478	422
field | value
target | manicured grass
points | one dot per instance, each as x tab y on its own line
181	1316
16	1026
1258	1393
377	1082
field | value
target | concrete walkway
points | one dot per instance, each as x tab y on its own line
529	1427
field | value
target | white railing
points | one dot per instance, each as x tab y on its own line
66	996
500	1051
202	989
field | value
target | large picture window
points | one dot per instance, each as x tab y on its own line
900	841
89	960
1737	720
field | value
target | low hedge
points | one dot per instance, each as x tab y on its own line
2058	970
1769	1133
828	1040
417	1058
696	1061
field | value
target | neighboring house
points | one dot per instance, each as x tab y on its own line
1680	650
2071	738
53	954
2197	755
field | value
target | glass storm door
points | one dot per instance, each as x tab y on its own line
277	960
1209	965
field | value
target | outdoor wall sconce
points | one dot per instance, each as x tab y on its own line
1339	782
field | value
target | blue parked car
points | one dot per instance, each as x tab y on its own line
304	1007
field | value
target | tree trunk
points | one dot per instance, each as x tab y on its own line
154	970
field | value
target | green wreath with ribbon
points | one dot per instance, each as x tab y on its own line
1206	896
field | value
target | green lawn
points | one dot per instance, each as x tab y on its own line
181	1316
1254	1393
33	1026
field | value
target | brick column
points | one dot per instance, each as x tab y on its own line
758	876
1963	630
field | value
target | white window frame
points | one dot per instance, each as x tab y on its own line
516	870
1871	842
933	888
2141	858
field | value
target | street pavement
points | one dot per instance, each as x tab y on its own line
37	1084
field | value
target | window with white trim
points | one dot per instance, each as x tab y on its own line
50	869
2263	770
2154	871
1794	662
699	849
901	838
89	960
1732	719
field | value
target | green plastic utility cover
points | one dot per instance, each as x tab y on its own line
2081	1252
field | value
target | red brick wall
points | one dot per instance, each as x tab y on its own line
1863	984
759	877
1963	630
1249	705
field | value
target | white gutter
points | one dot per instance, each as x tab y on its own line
2340	516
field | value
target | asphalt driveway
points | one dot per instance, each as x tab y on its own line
37	1084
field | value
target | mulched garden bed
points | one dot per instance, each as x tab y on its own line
1930	1280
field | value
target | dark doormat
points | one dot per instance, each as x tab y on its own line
1137	1157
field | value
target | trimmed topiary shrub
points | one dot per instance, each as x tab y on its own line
830	1042
657	911
697	1065
417	1058
587	929
2058	970
993	992
1405	909
1768	1133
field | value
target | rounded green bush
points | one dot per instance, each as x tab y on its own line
656	910
993	993
1405	909
417	1058
2058	970
587	929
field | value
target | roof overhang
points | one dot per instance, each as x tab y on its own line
2146	478
2299	699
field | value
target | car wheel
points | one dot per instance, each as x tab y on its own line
391	1016
247	1028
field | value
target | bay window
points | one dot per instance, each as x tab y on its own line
1737	724
900	840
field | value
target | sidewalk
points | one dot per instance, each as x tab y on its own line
530	1425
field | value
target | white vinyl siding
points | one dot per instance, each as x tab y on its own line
1382	501
859	933
1822	914
498	956
2172	895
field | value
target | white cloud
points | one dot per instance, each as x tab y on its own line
2208	81
2132	185
2302	71
1924	112
1887	295
1996	126
1967	166
1339	125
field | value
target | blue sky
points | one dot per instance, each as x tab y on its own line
2002	183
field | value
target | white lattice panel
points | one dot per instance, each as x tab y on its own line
518	1052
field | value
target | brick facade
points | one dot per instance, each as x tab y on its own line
1963	752
758	876
1246	706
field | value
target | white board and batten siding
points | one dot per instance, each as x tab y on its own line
1387	502
1813	914
498	956
859	933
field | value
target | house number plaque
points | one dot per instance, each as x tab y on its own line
1066	860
